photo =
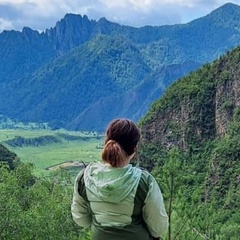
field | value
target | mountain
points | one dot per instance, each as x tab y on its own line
128	102
191	139
99	68
71	72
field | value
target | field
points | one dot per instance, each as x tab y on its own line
47	149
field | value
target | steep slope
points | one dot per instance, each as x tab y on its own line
60	90
199	116
201	40
202	103
19	53
133	103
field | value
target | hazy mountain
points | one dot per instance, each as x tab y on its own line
132	103
60	90
71	72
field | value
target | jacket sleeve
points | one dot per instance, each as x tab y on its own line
154	213
80	207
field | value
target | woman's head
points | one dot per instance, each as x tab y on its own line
122	137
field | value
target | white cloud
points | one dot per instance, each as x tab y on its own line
42	14
5	24
13	1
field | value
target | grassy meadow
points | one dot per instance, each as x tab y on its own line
46	148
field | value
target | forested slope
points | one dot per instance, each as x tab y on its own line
191	140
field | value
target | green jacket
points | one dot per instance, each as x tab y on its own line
118	203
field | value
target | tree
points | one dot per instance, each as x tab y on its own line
7	157
170	180
35	208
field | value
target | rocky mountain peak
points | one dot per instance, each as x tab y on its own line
29	34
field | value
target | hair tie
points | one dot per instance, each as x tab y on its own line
111	141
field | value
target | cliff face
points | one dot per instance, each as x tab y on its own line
198	107
227	93
70	32
200	115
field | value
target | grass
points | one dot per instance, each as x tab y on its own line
83	149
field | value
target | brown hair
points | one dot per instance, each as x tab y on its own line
122	137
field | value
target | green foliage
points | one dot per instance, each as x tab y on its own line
38	209
202	111
150	156
8	158
171	182
201	197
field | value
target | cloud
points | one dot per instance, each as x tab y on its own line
132	12
148	12
42	14
4	24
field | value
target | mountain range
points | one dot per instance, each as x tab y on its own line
82	73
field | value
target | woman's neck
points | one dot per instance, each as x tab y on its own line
124	163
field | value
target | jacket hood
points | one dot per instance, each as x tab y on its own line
111	184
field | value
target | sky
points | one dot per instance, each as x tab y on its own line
42	14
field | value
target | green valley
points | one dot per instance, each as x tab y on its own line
46	148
